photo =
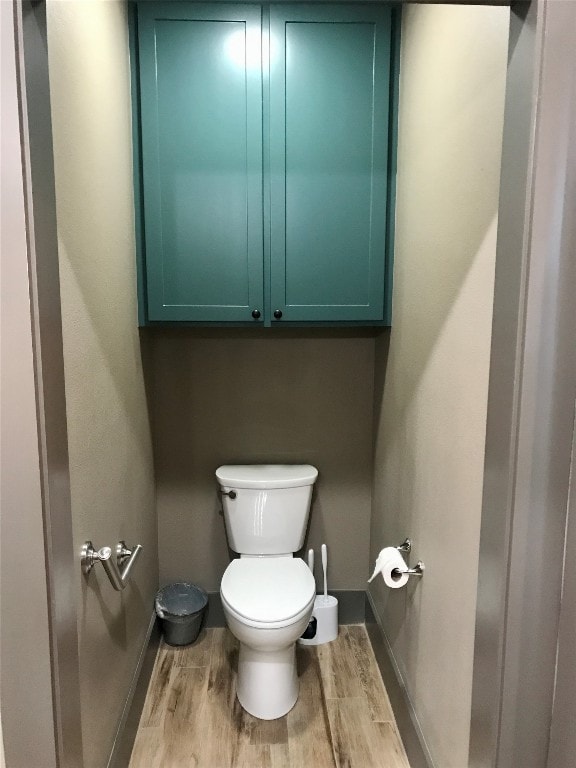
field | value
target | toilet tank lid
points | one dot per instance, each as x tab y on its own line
262	476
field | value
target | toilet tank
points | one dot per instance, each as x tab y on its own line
266	506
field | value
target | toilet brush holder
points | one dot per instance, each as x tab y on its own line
323	626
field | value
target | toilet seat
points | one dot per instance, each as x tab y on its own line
268	592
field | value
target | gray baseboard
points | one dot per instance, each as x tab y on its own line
351	607
128	725
215	613
418	753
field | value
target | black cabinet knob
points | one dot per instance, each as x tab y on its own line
255	314
277	314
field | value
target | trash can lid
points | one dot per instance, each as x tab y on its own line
180	599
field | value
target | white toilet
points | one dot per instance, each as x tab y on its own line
267	594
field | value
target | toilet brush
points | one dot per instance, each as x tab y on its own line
325	568
323	625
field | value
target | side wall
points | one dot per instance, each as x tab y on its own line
562	735
432	369
111	464
28	720
245	397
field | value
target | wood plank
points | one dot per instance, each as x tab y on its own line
222	723
223	667
147	749
270	731
179	753
196	655
368	673
339	673
356	740
185	699
252	756
242	729
155	704
182	736
308	728
280	755
391	745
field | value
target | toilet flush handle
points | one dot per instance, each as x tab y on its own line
230	494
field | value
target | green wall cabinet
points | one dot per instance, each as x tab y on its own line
264	162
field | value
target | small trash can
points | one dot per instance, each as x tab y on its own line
181	607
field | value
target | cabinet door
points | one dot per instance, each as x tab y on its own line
201	124
329	111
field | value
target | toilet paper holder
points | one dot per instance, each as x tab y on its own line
418	569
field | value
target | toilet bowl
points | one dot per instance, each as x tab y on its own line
267	603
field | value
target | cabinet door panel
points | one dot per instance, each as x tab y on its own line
201	120
329	104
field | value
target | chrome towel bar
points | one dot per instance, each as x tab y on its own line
118	567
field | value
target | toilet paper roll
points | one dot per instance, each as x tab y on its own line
387	562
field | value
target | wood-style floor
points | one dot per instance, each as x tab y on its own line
342	718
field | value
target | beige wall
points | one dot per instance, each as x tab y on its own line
109	438
432	369
235	397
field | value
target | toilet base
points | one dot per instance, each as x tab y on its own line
267	681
